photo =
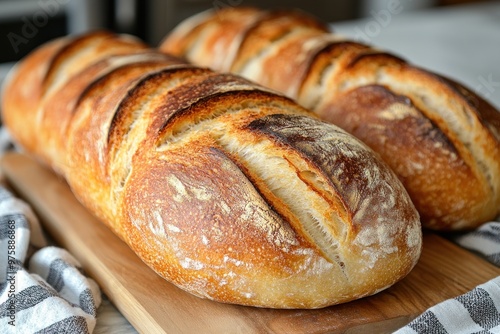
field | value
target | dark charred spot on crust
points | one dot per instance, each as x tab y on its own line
260	125
277	126
273	125
288	130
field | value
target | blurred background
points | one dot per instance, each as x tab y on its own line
25	24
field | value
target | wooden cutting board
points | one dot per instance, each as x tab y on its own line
153	305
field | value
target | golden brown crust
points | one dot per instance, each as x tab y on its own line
428	150
28	99
223	48
255	38
74	56
442	140
228	190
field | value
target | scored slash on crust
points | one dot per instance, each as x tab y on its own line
285	180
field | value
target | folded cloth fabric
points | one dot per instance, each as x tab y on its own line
477	311
485	241
51	295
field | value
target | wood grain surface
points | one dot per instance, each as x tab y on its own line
153	305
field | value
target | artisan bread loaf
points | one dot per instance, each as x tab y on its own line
224	188
441	139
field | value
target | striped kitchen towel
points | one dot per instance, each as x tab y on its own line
485	241
477	311
51	295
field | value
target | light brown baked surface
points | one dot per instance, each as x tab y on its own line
441	139
226	189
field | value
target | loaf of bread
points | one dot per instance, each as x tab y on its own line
441	139
226	189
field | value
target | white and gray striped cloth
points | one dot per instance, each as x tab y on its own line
477	311
47	295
